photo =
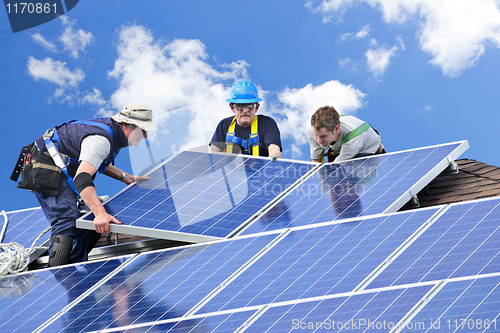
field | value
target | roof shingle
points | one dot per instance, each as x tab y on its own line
475	180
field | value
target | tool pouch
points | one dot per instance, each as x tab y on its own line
20	161
39	173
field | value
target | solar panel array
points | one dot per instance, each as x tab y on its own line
360	187
420	270
25	227
200	196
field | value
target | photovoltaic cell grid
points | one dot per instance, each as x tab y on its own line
220	323
464	241
203	194
378	311
159	286
166	286
463	306
359	187
319	261
28	300
311	262
24	226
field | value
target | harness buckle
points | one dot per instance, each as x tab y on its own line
48	134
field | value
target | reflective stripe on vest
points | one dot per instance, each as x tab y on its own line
351	135
354	133
252	142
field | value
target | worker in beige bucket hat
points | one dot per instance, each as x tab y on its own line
136	114
72	153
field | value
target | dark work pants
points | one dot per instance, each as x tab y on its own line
62	211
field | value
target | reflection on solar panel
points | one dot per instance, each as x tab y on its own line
360	187
319	261
208	195
421	268
464	241
28	300
24	226
159	285
381	311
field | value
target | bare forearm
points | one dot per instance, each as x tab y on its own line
115	173
214	148
89	196
274	150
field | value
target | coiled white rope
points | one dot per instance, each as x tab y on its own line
14	258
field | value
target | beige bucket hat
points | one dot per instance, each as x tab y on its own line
136	114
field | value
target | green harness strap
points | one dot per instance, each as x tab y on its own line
354	133
351	135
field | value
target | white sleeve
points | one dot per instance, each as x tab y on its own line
350	149
316	149
94	150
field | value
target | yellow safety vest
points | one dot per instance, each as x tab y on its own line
252	142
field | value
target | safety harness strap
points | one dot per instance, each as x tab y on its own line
252	142
51	139
54	153
351	135
354	133
254	138
95	123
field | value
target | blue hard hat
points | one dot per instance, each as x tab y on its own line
244	92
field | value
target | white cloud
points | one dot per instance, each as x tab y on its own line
378	58
57	73
92	98
332	9
172	76
400	40
40	40
176	81
298	105
455	32
427	108
74	41
54	71
363	33
344	62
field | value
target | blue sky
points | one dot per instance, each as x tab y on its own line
422	72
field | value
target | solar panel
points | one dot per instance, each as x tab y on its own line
29	299
377	311
359	187
24	226
228	322
464	241
319	261
469	305
200	197
160	285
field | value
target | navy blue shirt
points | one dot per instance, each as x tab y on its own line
266	127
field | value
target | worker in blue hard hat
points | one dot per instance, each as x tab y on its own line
245	132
